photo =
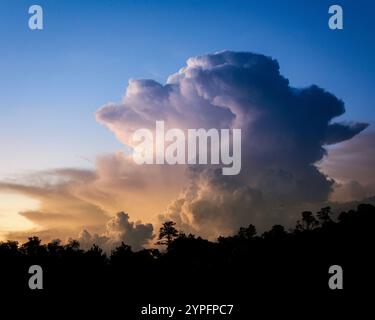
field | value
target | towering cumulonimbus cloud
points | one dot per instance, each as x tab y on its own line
284	133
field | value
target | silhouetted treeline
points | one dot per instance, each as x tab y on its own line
278	263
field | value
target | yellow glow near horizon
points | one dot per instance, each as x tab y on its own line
10	205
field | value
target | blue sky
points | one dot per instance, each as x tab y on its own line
52	81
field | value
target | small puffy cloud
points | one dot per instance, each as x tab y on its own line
119	229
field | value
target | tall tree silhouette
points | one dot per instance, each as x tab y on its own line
167	233
33	247
121	253
324	215
276	233
308	222
247	233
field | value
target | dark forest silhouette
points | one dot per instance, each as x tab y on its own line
277	263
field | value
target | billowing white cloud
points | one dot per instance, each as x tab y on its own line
285	130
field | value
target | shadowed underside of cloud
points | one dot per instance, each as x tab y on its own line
284	134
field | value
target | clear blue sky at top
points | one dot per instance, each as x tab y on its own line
52	81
